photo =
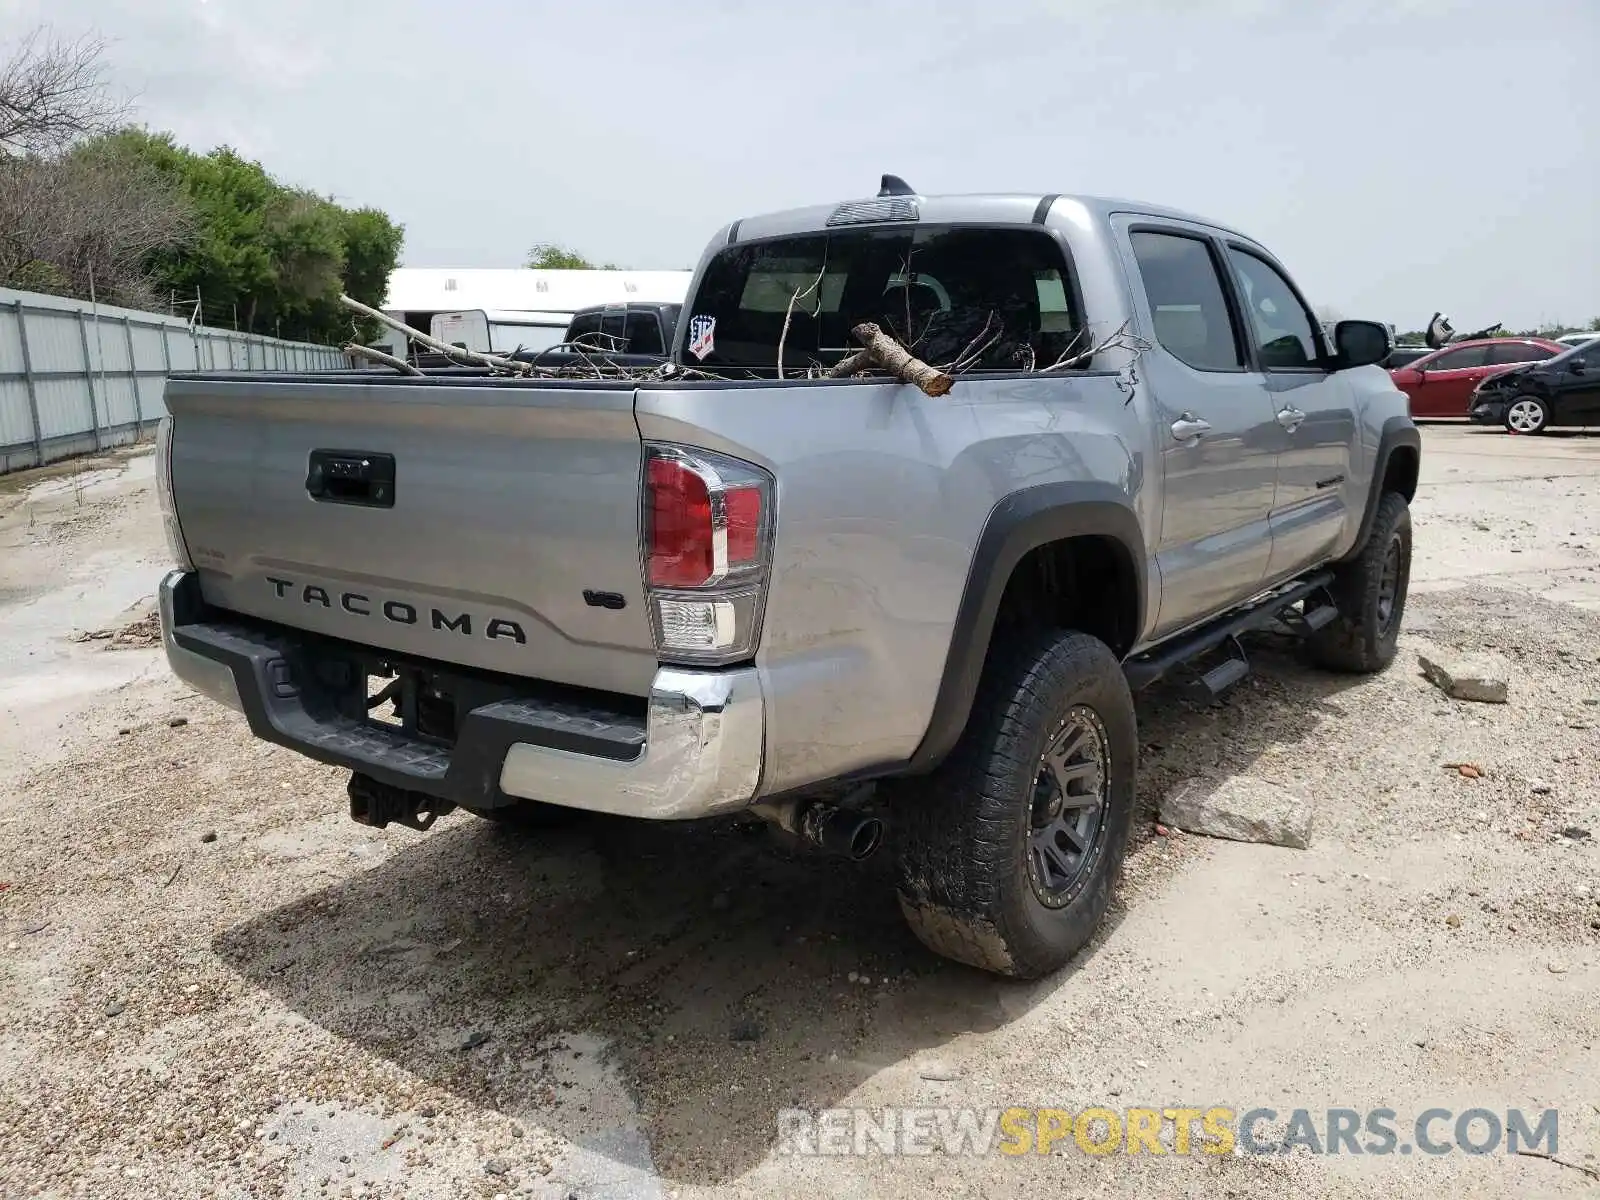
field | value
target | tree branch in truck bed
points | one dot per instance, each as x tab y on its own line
492	361
881	352
586	359
1119	339
788	316
378	356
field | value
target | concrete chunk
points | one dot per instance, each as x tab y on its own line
1485	678
1240	809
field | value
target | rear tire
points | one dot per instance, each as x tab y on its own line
1527	414
1370	593
1009	851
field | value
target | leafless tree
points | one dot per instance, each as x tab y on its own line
89	219
77	215
54	93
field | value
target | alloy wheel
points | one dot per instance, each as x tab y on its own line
1069	806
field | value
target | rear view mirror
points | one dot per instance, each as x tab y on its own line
1360	344
1576	366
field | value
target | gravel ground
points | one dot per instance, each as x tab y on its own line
212	983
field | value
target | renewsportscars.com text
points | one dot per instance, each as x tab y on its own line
1180	1130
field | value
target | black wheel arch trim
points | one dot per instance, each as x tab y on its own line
1018	524
1397	431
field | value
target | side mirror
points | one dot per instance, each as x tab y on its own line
1360	344
1576	366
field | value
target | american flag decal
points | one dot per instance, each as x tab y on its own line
701	336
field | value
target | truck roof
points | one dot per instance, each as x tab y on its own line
989	208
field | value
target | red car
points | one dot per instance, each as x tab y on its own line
1441	384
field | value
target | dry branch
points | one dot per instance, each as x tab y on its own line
378	356
882	352
788	315
977	347
492	361
1120	339
54	93
584	359
1591	1172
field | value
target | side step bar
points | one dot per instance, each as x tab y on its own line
1226	673
1273	608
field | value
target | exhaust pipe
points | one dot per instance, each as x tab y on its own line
845	832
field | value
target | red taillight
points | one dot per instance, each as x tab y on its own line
707	550
685	549
744	525
681	550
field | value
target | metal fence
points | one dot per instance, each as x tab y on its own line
76	377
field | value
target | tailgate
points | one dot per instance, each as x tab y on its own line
507	540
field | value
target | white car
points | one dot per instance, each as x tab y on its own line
1579	339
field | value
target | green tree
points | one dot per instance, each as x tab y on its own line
371	249
276	256
548	256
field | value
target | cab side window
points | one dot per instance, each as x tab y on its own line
1279	324
1187	303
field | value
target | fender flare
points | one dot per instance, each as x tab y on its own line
1018	524
1397	431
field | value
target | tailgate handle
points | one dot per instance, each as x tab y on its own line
351	477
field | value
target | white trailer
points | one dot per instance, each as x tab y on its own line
500	330
545	299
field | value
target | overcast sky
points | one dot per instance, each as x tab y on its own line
1399	155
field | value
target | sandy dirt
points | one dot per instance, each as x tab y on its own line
212	983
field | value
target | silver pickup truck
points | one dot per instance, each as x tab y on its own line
740	588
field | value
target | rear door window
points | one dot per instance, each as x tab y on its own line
1187	304
1002	296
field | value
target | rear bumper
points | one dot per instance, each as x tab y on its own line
694	750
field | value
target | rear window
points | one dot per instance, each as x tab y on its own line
620	332
941	291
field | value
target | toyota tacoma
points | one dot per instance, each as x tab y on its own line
747	587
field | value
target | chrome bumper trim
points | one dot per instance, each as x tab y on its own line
702	755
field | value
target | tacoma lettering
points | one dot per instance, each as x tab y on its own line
400	612
462	624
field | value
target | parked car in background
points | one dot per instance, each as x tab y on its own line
1563	390
1580	339
1440	384
1404	356
638	327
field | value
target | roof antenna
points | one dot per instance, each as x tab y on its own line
893	185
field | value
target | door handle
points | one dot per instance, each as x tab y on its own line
1290	418
351	477
1189	427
